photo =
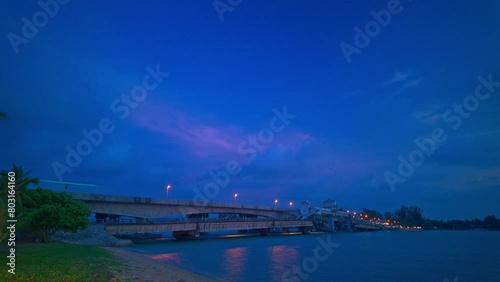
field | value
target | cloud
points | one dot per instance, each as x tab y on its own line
486	133
466	177
399	77
398	83
199	135
431	115
316	168
203	136
389	89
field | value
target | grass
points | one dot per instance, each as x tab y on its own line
59	262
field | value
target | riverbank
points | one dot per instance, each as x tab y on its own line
93	235
69	262
59	262
134	266
140	267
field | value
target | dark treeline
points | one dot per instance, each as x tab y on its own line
490	222
413	216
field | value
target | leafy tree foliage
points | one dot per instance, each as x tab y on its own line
52	211
371	213
410	216
22	182
389	215
490	222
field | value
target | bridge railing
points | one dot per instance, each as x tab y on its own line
179	220
185	220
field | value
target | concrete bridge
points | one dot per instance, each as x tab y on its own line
149	208
147	211
191	229
196	216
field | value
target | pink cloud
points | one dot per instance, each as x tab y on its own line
203	137
196	134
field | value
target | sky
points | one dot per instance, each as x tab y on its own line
374	104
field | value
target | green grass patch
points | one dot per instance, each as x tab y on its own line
59	262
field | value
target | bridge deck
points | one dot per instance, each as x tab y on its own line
125	229
154	208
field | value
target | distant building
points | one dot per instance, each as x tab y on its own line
330	204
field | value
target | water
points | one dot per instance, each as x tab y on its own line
371	256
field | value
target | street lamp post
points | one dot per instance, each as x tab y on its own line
235	195
291	204
168	188
275	203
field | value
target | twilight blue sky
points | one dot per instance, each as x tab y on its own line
352	120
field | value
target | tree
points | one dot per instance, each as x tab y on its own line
491	222
52	211
371	213
415	214
410	216
388	215
22	181
401	213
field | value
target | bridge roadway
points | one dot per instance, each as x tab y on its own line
191	228
153	207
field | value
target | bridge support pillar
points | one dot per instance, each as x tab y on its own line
305	230
184	235
349	225
331	224
265	231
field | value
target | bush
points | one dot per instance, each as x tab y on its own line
50	211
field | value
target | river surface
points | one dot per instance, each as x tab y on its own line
370	256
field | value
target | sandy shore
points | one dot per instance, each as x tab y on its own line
140	267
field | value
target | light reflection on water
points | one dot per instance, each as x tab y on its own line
168	258
282	258
235	261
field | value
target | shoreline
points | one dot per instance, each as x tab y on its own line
140	267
